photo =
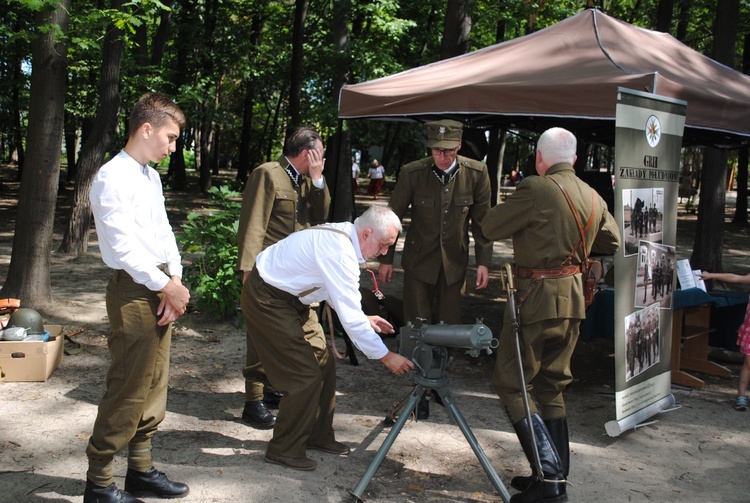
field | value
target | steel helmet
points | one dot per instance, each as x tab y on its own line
28	319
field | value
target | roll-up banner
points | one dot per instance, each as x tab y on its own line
648	139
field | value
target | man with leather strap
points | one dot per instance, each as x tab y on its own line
318	264
545	232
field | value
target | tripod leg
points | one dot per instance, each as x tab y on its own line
456	415
416	394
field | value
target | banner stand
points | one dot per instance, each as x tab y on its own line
648	141
633	421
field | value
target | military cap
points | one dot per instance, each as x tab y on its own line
444	134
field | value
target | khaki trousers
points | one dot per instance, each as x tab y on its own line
293	350
546	349
135	400
256	380
422	299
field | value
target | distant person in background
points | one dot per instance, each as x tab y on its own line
743	337
376	174
355	174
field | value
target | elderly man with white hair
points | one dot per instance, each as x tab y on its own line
312	265
547	257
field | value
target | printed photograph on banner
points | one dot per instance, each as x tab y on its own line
655	274
642	217
642	341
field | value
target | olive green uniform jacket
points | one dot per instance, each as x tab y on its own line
273	208
544	233
440	215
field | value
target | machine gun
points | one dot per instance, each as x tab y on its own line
427	346
424	344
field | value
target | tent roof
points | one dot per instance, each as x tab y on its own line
565	75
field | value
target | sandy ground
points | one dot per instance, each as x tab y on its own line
695	453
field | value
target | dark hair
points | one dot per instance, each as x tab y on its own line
156	109
304	138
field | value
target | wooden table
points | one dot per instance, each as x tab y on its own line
691	327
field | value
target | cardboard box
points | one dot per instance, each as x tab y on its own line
32	360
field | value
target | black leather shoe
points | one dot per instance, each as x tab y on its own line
257	415
423	407
153	483
272	399
109	494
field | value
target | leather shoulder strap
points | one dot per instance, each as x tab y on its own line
322	227
581	229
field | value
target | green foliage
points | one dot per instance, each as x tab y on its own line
228	62
211	235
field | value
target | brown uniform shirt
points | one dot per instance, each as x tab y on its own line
440	219
273	207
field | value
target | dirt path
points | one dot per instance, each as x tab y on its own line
696	453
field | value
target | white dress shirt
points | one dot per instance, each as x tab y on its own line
131	222
328	261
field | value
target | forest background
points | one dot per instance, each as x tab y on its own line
245	72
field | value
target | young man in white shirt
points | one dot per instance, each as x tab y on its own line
144	297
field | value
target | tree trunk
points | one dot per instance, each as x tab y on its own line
246	143
740	214
495	154
140	37
683	19
17	128
29	271
457	29
664	15
161	37
177	165
298	54
204	152
206	136
709	235
339	161
215	149
177	174
709	240
246	158
76	239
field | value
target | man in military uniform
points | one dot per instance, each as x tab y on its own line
446	193
545	235
280	197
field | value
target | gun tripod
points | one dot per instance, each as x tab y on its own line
437	380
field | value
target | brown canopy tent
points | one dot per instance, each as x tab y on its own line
565	75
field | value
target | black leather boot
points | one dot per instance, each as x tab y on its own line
552	489
109	494
272	399
257	415
558	430
153	483
423	407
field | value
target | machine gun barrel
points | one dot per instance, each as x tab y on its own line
477	336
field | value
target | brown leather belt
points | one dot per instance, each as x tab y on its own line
539	274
